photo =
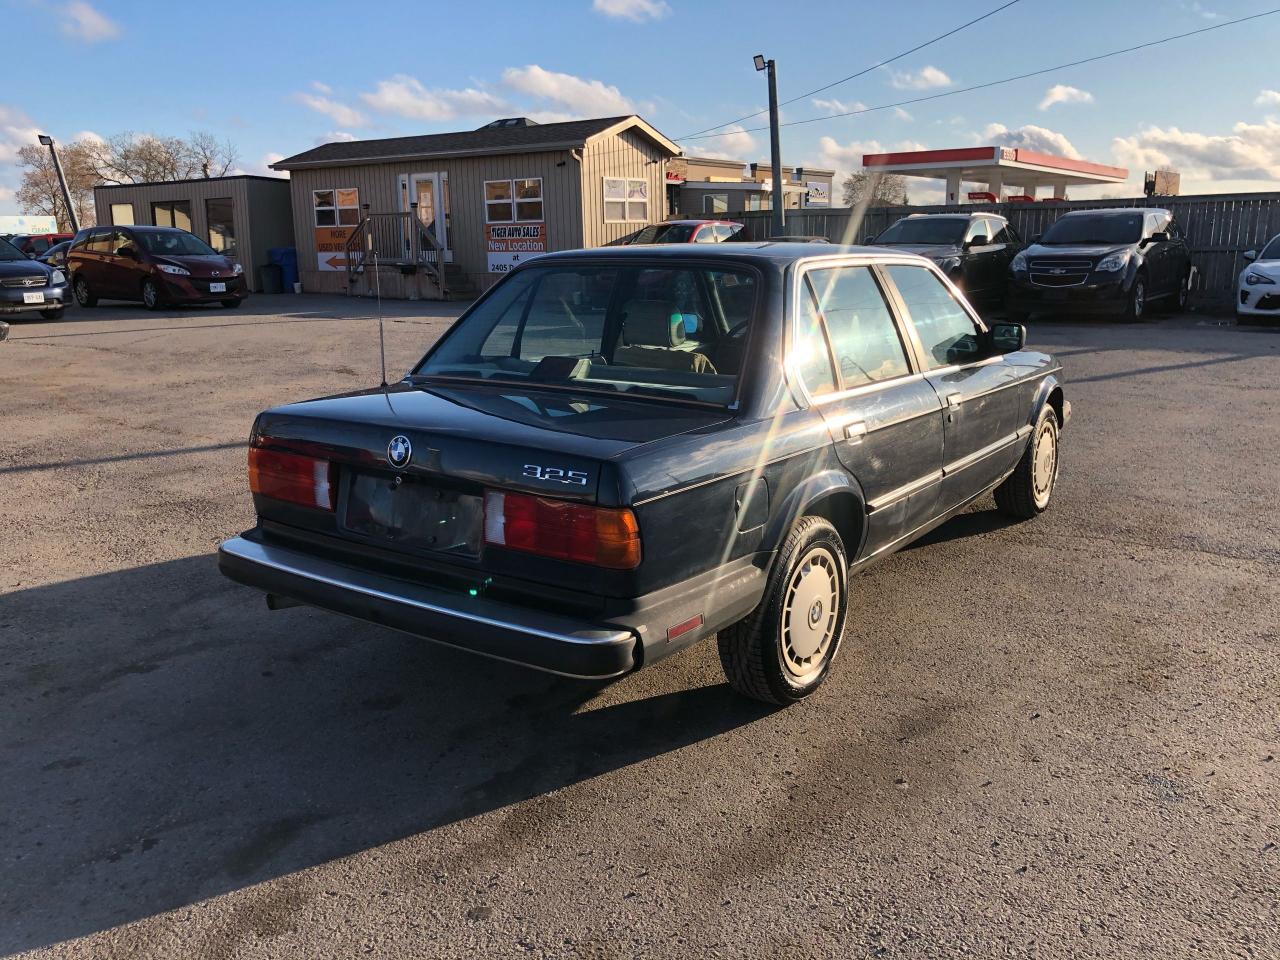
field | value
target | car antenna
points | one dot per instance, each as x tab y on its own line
382	340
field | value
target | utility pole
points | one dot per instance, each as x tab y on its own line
62	181
778	221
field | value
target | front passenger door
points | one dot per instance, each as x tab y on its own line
984	412
979	261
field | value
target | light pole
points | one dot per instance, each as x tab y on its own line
62	181
778	221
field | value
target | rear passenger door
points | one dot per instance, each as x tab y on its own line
984	412
885	421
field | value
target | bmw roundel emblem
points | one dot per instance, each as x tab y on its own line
399	450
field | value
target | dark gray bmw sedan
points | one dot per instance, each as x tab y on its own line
616	453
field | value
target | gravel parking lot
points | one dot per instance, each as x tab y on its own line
1051	739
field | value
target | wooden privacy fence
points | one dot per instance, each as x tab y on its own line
1219	228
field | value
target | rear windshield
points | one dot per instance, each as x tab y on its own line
176	244
925	230
1092	228
669	332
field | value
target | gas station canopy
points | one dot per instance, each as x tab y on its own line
1003	170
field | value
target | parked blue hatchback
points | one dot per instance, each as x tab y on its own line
28	285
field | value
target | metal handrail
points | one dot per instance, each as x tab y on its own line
396	240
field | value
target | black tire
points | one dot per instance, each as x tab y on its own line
151	294
54	314
1183	296
757	660
231	304
1028	491
1136	309
80	287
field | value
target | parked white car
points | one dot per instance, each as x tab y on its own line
1259	295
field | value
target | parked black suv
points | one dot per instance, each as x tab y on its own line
1107	262
974	250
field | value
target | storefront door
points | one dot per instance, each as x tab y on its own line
430	191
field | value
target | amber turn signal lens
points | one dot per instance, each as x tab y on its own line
292	477
600	536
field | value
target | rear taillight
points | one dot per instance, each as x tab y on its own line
600	536
293	477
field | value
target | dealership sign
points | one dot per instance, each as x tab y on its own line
508	244
331	247
817	194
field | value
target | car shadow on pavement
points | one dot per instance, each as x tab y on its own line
974	523
165	739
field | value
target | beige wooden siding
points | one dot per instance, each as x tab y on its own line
246	209
379	186
626	154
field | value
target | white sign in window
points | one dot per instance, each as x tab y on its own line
336	208
626	200
513	201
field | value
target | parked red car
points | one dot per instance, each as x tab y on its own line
683	231
157	265
36	244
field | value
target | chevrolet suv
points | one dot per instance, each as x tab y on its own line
1103	262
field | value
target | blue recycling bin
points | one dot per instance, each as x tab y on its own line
286	258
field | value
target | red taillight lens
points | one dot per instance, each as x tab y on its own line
293	477
600	536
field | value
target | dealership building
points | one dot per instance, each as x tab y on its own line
451	212
709	187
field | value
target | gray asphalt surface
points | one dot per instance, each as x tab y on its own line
1050	739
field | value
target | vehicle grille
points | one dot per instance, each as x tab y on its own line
39	280
1059	273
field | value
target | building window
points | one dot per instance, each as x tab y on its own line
513	201
122	214
715	203
757	201
336	208
626	201
220	214
172	213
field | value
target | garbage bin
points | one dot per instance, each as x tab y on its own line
286	258
270	278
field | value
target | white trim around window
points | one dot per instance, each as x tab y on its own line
626	200
514	201
336	207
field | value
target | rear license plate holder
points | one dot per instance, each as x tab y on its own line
407	513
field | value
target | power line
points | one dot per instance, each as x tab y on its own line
863	72
994	83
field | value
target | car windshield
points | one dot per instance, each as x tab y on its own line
9	252
1272	250
177	243
665	233
1094	228
670	332
926	230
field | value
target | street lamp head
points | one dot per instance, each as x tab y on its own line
759	61
45	140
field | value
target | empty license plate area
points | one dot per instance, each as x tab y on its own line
414	515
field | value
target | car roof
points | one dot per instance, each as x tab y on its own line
752	250
955	216
1115	211
693	222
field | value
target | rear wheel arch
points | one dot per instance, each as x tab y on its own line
831	494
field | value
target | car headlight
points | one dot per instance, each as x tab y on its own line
1253	279
1019	263
237	269
175	271
57	277
1113	262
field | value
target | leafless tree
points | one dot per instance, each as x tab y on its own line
40	192
875	190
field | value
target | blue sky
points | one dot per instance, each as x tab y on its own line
277	78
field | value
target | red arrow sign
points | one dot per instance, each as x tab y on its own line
337	262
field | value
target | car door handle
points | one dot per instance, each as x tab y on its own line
953	404
855	431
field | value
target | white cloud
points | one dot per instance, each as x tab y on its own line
81	21
1203	11
1061	93
923	79
834	106
635	10
569	93
319	87
17	130
735	142
334	136
405	96
902	114
336	111
847	157
1030	137
1250	152
1268	98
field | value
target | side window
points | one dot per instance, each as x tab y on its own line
1009	234
724	232
978	228
946	331
120	240
811	358
863	335
1175	231
39	245
705	234
995	231
100	242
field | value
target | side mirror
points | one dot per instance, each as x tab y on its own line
1250	255
1157	237
981	240
1008	337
